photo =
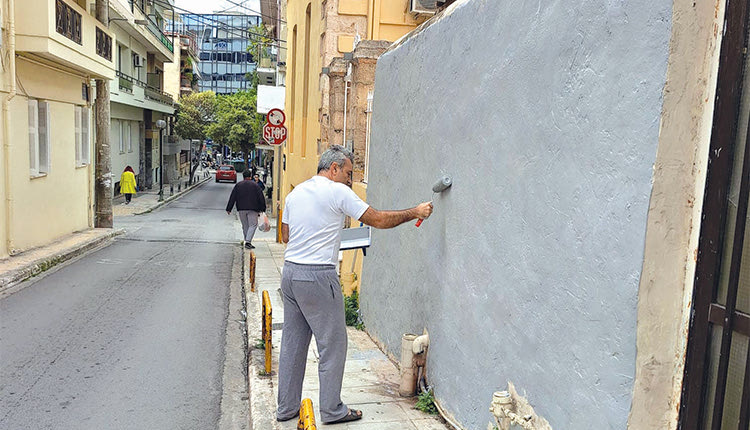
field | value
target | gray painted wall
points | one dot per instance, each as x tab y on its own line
546	114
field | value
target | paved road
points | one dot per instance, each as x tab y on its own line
131	336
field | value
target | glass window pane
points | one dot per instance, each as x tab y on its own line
743	292
713	372
730	419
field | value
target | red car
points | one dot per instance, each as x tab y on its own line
226	173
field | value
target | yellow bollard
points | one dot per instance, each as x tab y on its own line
306	416
252	271
267	329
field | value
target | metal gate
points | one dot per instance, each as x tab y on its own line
716	390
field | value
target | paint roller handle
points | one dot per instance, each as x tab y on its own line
424	210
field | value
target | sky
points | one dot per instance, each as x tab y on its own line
209	6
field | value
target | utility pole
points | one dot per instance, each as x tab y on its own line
103	170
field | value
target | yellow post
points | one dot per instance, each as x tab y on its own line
306	416
267	329
278	223
252	271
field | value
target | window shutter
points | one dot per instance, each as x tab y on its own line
33	137
85	135
78	110
44	133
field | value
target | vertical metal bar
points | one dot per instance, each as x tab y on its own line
734	278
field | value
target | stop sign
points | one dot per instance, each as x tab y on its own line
274	135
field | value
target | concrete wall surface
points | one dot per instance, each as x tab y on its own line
546	114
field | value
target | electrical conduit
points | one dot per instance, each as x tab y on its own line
10	14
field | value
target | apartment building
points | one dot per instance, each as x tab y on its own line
50	53
142	55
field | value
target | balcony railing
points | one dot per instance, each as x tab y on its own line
152	93
152	26
159	96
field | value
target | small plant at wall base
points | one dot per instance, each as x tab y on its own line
259	344
351	306
426	403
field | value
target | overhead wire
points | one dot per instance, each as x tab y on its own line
206	17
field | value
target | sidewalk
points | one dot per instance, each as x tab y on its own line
18	268
370	378
147	200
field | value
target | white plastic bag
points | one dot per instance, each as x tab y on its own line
264	224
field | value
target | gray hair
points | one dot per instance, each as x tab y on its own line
334	154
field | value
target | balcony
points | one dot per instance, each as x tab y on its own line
127	12
65	33
131	91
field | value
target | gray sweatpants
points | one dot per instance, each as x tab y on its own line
249	220
313	304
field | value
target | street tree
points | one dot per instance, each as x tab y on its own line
196	111
237	125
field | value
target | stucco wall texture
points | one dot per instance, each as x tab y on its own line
546	114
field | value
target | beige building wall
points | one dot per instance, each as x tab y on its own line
172	72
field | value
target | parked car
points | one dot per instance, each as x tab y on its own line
226	173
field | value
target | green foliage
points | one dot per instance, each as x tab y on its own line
259	344
260	38
351	307
195	113
237	124
426	403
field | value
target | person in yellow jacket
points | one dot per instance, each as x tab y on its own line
127	184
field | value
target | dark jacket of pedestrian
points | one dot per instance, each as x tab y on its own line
248	196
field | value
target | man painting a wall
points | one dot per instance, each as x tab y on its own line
312	220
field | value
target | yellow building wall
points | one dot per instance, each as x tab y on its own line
351	264
302	153
387	20
59	203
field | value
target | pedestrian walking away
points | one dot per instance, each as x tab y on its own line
248	197
313	217
127	184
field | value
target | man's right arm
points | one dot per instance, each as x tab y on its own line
285	232
390	219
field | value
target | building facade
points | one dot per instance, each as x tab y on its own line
594	248
223	42
143	54
51	51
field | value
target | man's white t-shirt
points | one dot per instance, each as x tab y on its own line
315	212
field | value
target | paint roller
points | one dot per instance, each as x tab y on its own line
441	185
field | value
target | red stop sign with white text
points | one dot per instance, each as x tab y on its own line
274	135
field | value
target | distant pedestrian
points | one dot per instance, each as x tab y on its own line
260	183
248	197
127	184
313	217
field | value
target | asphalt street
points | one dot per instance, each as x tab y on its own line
131	336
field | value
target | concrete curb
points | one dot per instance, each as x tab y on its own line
174	197
11	278
262	399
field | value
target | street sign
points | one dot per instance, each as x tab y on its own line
274	135
276	117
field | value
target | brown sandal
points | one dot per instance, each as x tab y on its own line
353	415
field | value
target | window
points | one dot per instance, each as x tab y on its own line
39	131
117	128
103	44
83	133
204	56
127	126
68	21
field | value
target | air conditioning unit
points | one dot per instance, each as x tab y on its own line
138	61
428	7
